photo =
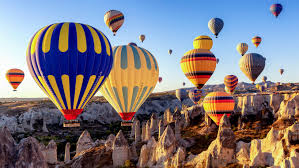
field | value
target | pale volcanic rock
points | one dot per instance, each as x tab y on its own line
84	142
147	131
179	158
67	155
220	152
177	130
286	109
148	154
7	148
143	132
161	128
120	150
166	145
137	131
29	154
242	153
154	123
275	100
51	152
109	142
132	134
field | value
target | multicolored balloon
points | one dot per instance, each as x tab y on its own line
242	48
114	19
169	51
160	79
281	71
199	64
133	77
184	83
69	62
252	65
256	40
276	9
215	25
195	95
142	38
181	94
230	82
217	104
15	77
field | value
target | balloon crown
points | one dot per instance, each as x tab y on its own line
133	44
203	42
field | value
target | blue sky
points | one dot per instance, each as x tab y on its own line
167	24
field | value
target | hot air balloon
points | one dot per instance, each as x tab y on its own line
184	83
256	40
169	51
132	79
276	9
160	79
252	65
230	82
242	48
134	44
195	95
199	64
69	62
217	60
281	71
216	104
114	20
142	38
215	25
15	77
181	94
264	79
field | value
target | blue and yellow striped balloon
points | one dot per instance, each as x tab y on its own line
132	79
69	62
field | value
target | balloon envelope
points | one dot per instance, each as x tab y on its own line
281	71
217	104
169	51
242	48
215	25
160	79
69	62
181	94
252	65
203	42
114	19
230	82
15	77
256	40
132	79
142	38
276	9
199	64
195	95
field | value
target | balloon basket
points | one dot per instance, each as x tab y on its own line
126	124
71	123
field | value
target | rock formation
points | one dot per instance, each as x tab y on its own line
67	155
84	142
7	148
51	152
120	150
137	131
29	154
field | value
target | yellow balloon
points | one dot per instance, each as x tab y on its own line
242	48
203	42
132	79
